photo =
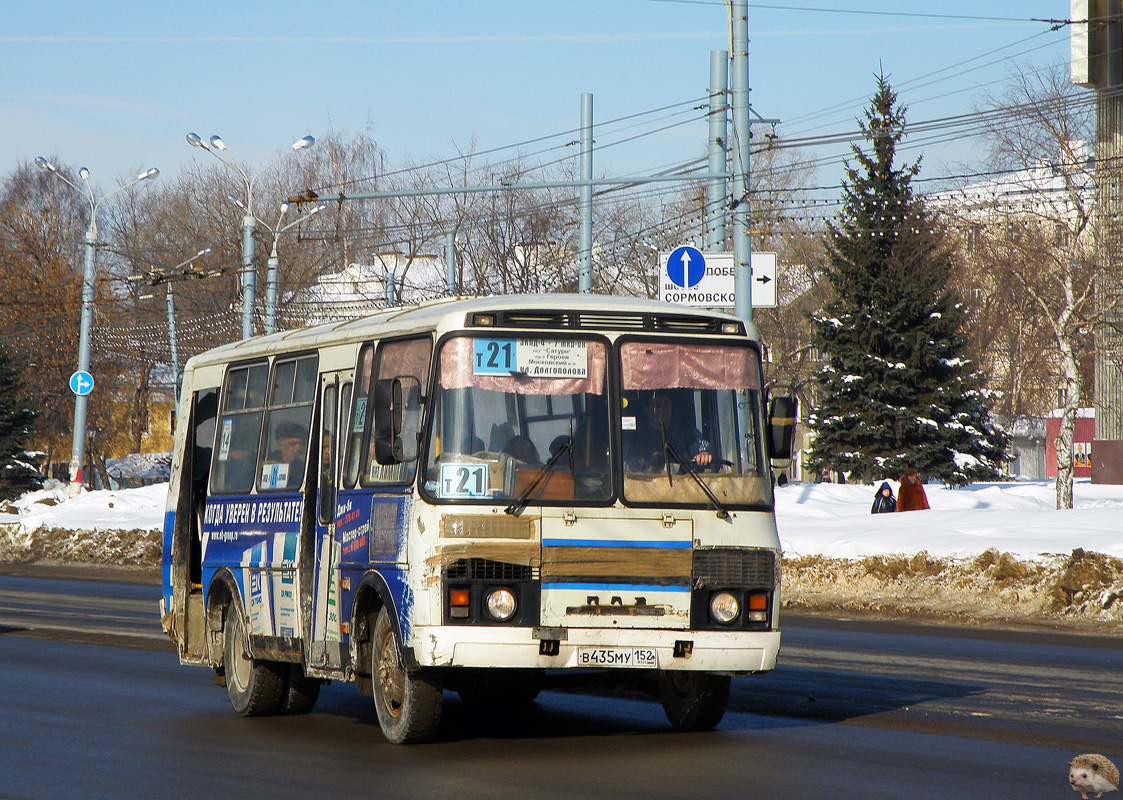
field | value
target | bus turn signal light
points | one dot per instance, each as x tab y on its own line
758	607
458	600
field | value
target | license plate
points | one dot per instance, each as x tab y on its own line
617	657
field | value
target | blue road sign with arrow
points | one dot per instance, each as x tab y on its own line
686	266
81	383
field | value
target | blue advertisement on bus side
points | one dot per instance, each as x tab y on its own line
257	538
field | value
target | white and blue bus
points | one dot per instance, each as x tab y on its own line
482	496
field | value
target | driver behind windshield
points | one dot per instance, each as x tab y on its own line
644	448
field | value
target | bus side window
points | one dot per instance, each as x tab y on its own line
405	358
239	429
356	423
326	470
288	423
206	411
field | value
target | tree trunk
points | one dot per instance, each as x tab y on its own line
1063	442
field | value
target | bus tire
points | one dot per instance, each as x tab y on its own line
301	692
256	688
694	701
408	703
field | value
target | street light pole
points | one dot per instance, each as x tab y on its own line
742	241
217	148
89	271
273	266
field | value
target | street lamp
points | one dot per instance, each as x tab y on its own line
217	148
78	449
271	273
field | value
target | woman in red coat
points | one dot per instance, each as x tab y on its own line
911	497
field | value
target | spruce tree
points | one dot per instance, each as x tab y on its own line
896	390
17	475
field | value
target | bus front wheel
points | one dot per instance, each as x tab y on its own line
694	701
408	703
256	688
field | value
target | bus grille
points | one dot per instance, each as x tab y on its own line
484	569
747	569
613	321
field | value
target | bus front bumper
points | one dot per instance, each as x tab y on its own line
708	651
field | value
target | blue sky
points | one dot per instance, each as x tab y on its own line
115	86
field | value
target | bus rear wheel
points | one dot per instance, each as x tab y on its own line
408	703
694	701
256	688
301	692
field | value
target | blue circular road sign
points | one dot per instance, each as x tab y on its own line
81	383
686	266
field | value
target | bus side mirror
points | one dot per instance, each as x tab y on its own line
781	430
397	419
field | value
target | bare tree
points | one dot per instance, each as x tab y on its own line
1034	234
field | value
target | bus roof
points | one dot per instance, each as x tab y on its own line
530	311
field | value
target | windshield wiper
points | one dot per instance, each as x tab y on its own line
666	450
539	477
688	466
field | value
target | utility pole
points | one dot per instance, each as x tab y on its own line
450	263
585	206
742	207
716	194
155	278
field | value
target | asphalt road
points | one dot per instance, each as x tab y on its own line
854	709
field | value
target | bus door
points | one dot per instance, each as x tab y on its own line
326	637
375	491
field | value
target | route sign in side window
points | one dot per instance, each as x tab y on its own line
356	422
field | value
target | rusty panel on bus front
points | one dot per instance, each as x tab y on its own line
619	573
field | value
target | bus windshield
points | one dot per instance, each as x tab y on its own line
689	422
520	416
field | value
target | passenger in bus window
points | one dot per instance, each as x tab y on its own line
292	440
521	448
327	478
644	447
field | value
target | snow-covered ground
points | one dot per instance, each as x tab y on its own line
1021	519
996	552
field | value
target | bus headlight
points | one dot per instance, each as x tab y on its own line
501	604
724	607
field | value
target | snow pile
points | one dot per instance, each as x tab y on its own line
101	527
